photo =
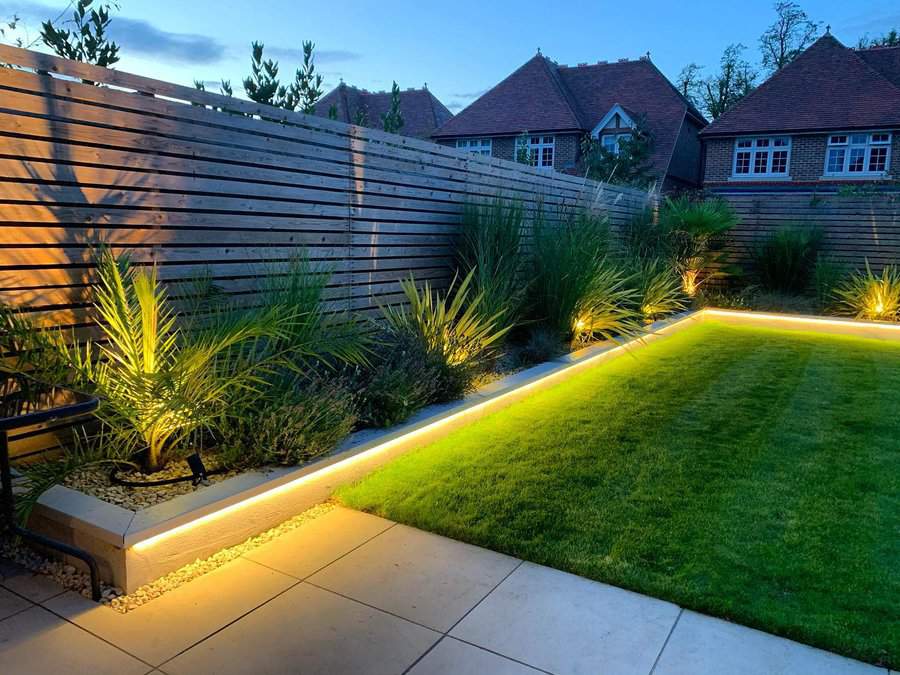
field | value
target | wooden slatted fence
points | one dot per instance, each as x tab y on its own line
856	227
195	182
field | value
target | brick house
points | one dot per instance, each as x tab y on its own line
829	118
422	112
549	108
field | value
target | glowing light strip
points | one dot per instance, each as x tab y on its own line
813	320
405	438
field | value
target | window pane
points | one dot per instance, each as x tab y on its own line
746	143
881	138
547	157
835	160
878	159
779	161
742	163
857	160
858	139
486	142
781	142
837	140
548	139
760	162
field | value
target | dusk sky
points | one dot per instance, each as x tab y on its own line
460	48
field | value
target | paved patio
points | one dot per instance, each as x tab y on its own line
352	593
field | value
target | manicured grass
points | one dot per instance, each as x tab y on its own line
747	473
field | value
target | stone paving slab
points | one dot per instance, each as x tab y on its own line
703	644
166	626
37	642
319	542
420	576
567	624
386	599
310	631
452	657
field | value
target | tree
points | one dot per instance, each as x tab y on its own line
307	87
263	85
792	32
332	112
889	39
688	81
523	152
629	165
88	41
361	119
392	120
736	78
10	24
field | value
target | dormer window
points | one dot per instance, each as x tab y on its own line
857	155
615	127
761	158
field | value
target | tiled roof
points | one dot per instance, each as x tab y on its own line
542	96
422	111
827	87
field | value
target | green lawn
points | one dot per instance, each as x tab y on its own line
747	473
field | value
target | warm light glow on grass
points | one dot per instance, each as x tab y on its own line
393	443
812	322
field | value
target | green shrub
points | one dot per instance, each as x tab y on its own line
576	290
786	260
868	296
401	380
542	345
301	420
490	248
657	288
694	229
643	237
827	274
457	338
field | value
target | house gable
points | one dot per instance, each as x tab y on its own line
616	118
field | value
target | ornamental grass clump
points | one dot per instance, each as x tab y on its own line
658	289
576	289
490	247
866	295
451	329
786	260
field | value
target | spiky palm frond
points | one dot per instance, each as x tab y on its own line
866	295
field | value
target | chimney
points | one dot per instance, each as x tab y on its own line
602	63
623	60
582	65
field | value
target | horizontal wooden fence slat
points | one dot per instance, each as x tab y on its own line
197	183
855	228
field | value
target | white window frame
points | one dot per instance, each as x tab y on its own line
478	146
852	142
536	145
761	145
618	137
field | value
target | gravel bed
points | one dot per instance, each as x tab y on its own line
96	482
69	577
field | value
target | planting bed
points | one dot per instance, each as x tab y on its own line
744	471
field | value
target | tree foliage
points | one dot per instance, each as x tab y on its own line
630	165
889	39
715	94
392	120
791	33
263	85
88	40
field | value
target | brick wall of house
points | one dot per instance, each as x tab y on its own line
567	148
807	159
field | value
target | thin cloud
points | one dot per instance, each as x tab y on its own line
135	36
322	56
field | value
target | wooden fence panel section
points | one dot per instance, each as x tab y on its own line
855	227
196	182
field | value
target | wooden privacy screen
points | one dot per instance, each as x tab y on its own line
855	227
195	182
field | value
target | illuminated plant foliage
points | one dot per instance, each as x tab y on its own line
868	296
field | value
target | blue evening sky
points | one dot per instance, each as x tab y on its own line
459	48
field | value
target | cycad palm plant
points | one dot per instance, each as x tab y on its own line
159	384
869	296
